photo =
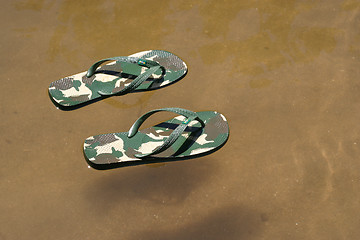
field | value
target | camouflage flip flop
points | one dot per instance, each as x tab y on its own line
188	135
147	70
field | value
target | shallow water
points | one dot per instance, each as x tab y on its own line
284	73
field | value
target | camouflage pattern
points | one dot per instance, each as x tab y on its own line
117	148
114	76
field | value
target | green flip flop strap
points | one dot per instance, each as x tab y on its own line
152	65
190	116
135	83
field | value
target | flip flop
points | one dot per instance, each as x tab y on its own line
188	135
147	70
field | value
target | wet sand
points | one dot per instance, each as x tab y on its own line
284	73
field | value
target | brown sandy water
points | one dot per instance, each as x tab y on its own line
284	73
